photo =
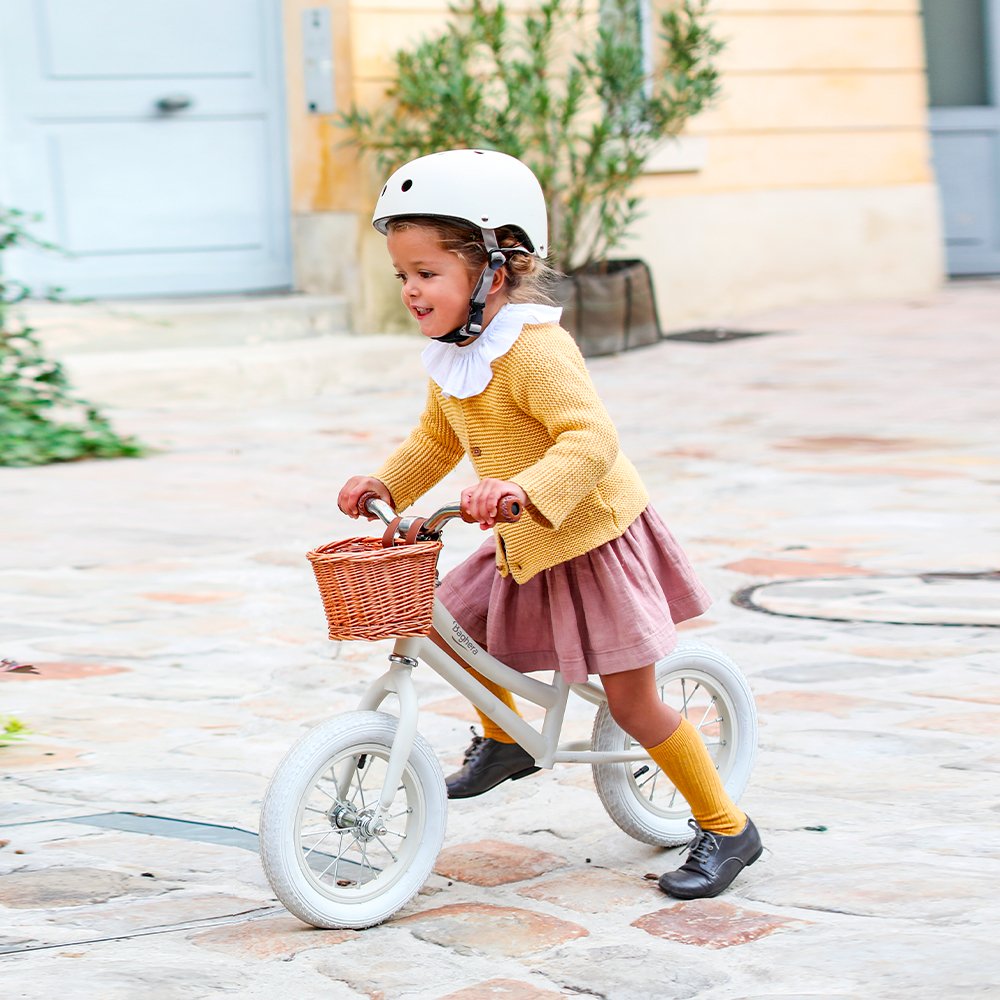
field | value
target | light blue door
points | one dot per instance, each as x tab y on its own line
150	135
963	63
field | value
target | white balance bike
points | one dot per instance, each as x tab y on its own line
354	816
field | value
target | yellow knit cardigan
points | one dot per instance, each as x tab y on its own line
539	423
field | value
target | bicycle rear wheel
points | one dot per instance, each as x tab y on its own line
710	691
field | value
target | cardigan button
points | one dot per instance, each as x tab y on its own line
477	451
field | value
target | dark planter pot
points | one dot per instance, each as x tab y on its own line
609	307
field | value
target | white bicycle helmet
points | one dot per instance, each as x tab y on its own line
482	187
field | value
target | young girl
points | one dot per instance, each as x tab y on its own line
592	581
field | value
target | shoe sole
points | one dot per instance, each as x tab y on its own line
522	774
719	891
510	777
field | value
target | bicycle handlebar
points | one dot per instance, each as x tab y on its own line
509	511
371	503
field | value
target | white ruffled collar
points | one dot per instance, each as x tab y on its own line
465	371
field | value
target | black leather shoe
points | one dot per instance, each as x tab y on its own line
487	763
715	860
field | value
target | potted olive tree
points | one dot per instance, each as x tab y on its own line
570	89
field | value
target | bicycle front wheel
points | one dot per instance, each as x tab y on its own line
710	691
329	860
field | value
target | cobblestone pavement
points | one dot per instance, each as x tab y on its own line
179	642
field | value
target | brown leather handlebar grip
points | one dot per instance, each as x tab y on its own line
509	511
363	501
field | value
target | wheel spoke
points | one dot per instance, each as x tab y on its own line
650	777
687	697
711	705
323	791
359	778
365	863
318	842
388	849
315	832
335	864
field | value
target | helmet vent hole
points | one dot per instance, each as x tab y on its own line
386	188
407	184
486	218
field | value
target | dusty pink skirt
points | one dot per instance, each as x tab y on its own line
611	609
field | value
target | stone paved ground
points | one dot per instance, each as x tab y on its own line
168	607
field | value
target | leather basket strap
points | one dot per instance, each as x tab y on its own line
415	529
389	538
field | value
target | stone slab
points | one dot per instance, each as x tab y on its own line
493	862
711	923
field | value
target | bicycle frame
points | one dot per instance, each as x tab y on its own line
543	745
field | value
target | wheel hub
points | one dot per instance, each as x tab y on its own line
366	825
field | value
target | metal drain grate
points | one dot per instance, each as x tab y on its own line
165	826
941	598
185	829
714	335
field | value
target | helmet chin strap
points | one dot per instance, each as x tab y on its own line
473	326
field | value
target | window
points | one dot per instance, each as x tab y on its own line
955	35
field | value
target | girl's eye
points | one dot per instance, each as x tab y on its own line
400	277
426	274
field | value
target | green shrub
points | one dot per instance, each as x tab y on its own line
41	421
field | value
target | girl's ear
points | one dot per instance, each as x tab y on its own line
499	280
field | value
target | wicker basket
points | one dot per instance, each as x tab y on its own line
372	592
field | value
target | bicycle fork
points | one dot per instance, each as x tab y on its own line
396	680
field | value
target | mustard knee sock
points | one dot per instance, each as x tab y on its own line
490	729
684	759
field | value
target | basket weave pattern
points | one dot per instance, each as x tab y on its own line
371	592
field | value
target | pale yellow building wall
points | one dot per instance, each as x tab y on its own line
815	180
810	177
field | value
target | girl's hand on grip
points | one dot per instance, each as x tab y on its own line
480	501
352	491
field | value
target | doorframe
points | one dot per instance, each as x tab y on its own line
280	129
972	119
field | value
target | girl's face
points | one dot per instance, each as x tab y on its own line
436	283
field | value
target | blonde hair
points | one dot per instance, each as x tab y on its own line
528	278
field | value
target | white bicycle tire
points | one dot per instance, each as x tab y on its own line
665	823
420	806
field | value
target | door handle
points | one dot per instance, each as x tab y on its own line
170	104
